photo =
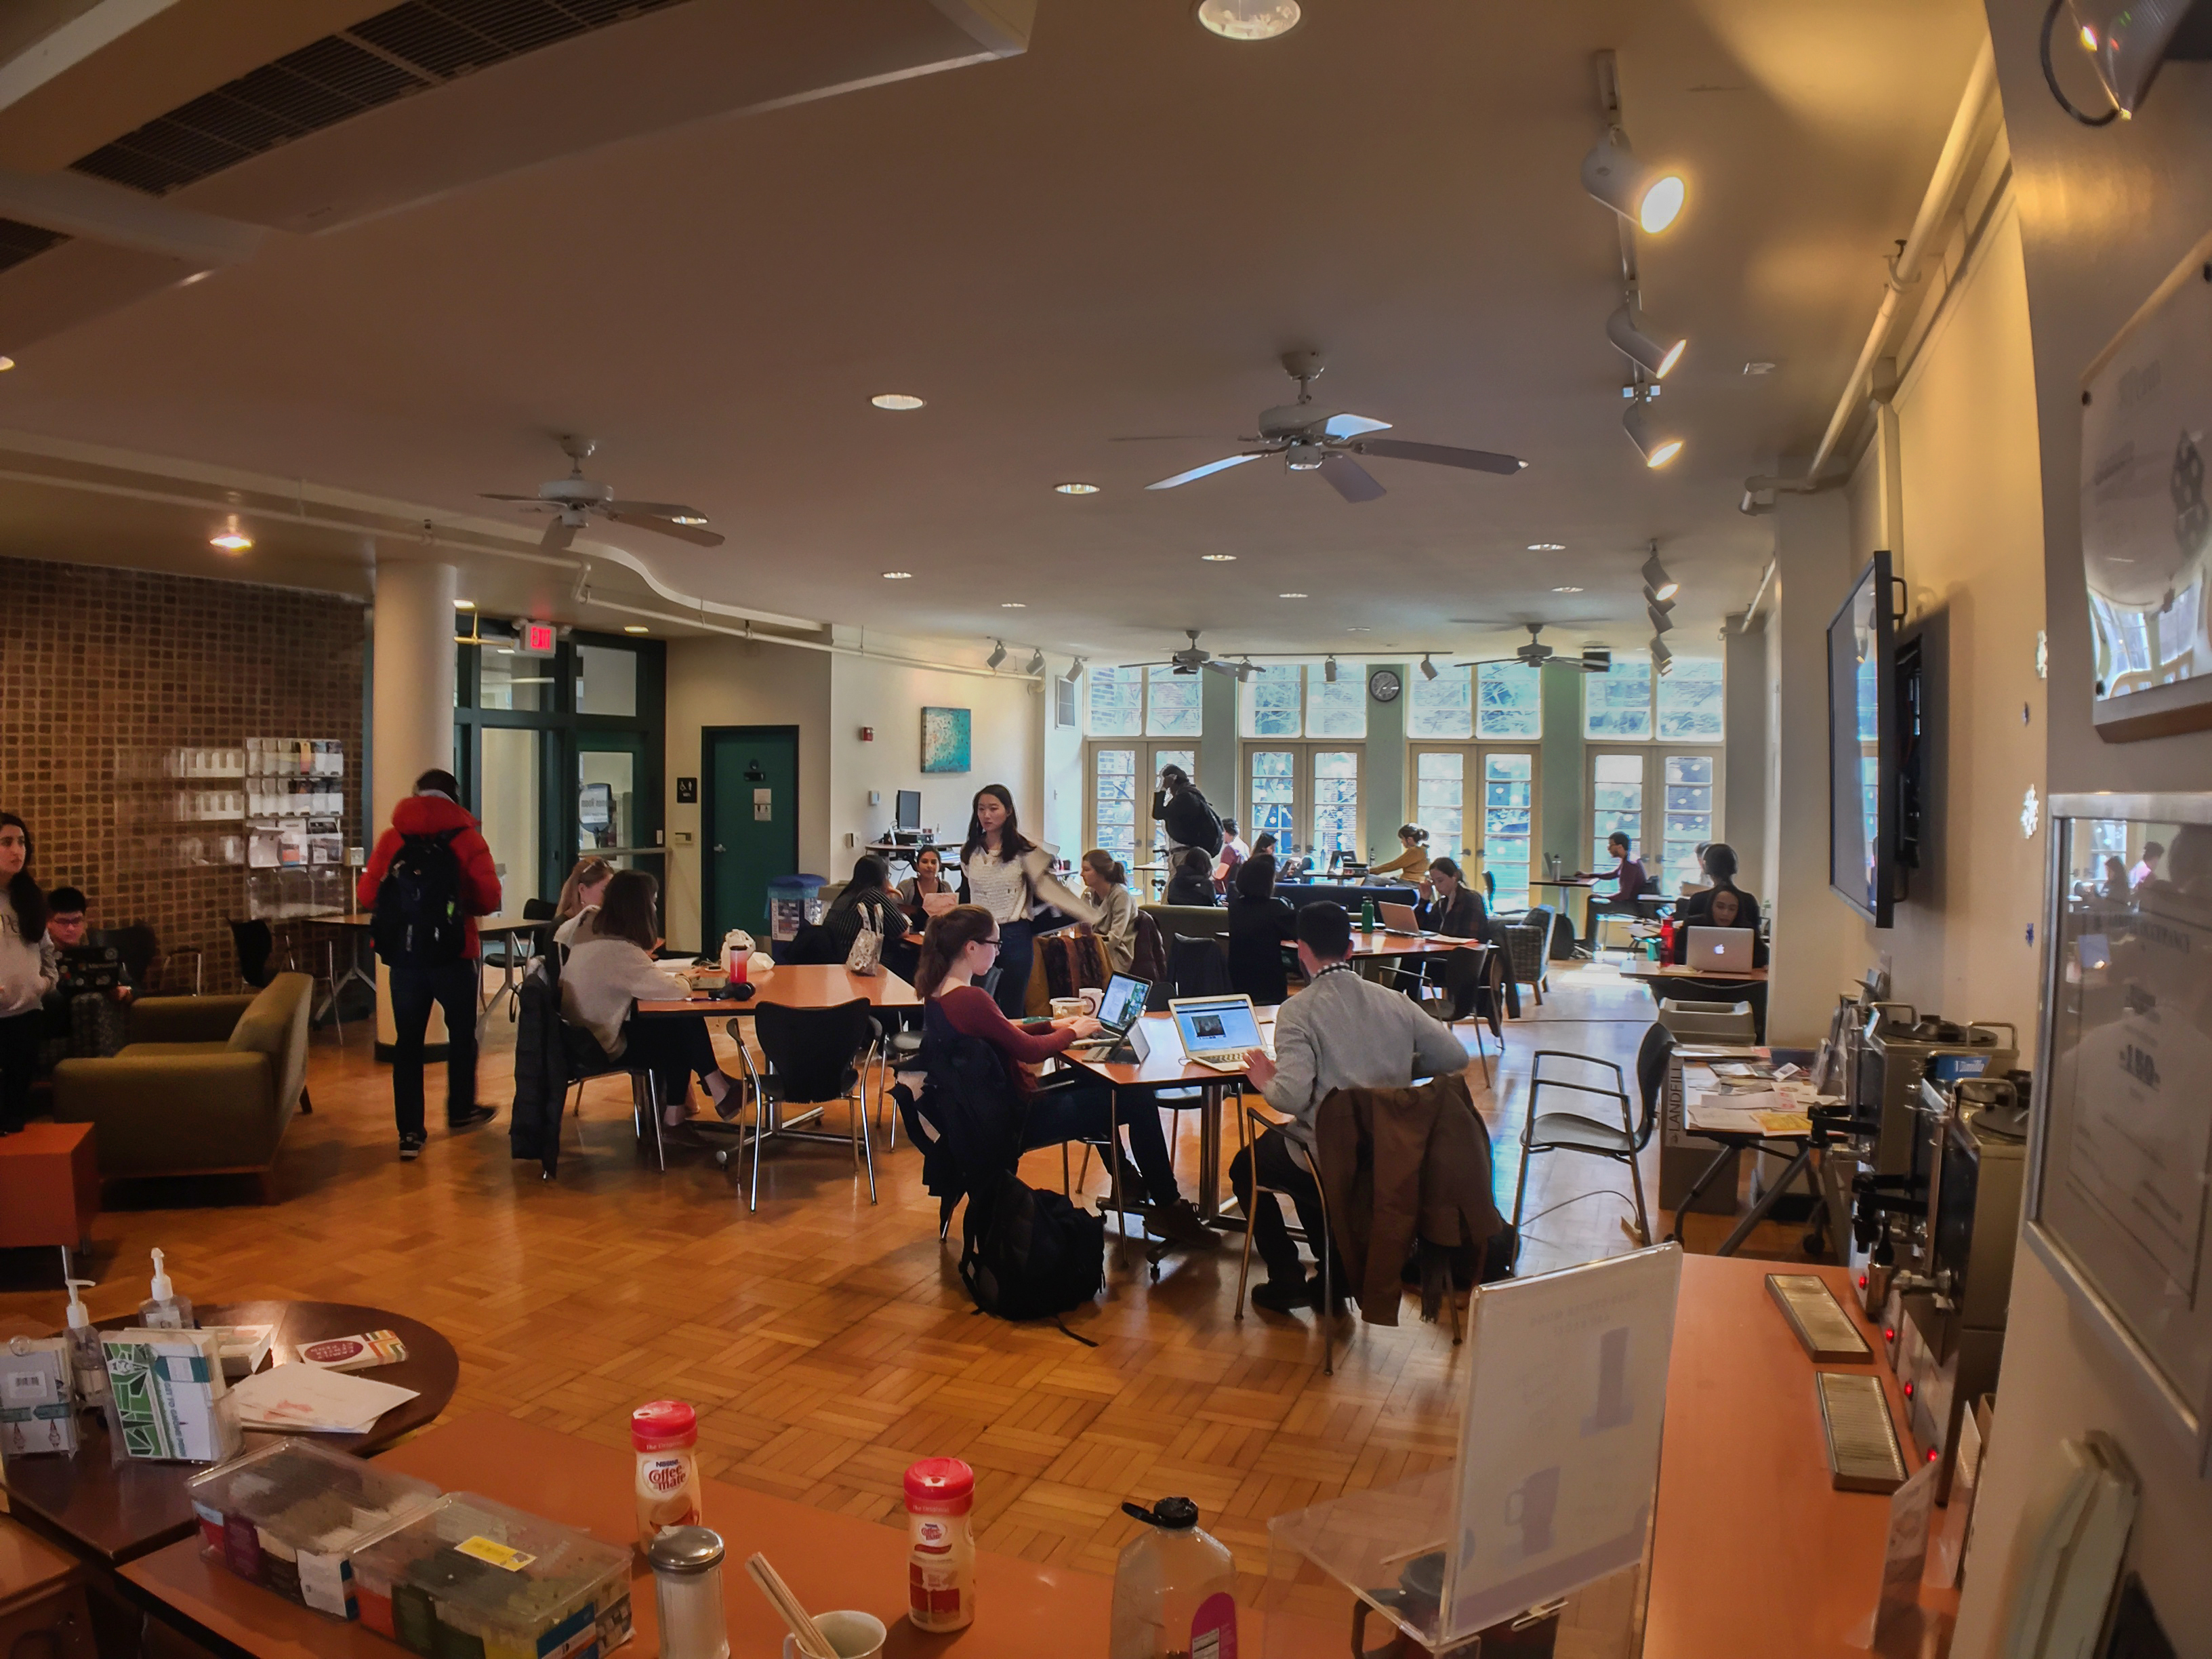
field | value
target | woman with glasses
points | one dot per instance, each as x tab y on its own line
957	953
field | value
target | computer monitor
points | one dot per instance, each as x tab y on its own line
908	815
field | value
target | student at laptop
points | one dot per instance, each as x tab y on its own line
1720	864
71	1004
1260	925
1449	905
1626	869
1411	864
959	949
1729	908
1340	1032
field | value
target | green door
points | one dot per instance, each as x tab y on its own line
751	824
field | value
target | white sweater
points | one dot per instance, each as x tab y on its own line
1007	887
603	977
26	975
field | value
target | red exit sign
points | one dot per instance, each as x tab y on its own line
538	639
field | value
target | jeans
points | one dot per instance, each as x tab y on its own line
673	1047
1011	989
1284	1170
1082	1112
454	987
20	1037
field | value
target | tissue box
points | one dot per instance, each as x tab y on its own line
244	1347
167	1389
35	1414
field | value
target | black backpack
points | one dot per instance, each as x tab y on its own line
419	920
1030	1254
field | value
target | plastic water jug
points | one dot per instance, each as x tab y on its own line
1174	1588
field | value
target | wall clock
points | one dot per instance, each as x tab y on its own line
1384	685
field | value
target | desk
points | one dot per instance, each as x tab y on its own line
797	986
1367	946
114	1512
1659	977
1155	876
1567	885
1699	1079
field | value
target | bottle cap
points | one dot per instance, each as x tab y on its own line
162	1288
1170	1514
940	1483
663	1425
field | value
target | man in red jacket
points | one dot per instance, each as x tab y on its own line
430	819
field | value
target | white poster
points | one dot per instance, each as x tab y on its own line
1558	1455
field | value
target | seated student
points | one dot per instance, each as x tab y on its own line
1728	908
85	1022
1107	885
1449	905
580	900
1234	851
867	896
957	951
608	974
1627	870
1721	865
1412	861
1192	880
927	882
2116	878
1260	925
2146	868
1340	1032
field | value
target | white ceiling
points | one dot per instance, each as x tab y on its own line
1112	236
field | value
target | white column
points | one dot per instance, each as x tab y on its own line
412	704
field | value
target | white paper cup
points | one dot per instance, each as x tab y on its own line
1068	1007
854	1635
1092	996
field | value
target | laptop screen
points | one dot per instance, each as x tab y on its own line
1217	1023
1124	1001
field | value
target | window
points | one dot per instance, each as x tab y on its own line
1336	802
606	681
1631	704
1479	805
1305	794
1511	701
1440	707
1616	803
1175	704
1618	705
1508	819
1271	792
1292	700
1115	702
1440	798
1689	819
1114	802
1689	700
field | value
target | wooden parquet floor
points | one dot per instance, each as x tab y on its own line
828	1342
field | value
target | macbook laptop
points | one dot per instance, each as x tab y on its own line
1218	1031
1401	918
1721	950
1121	1008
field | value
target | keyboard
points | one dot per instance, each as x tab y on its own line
1226	1060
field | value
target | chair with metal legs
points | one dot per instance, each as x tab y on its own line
1565	1131
815	1056
1250	1125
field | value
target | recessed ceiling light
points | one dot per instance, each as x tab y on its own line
1759	368
634	628
465	605
1547	547
1077	489
1248	20
1359	630
898	575
687	518
901	400
6	363
1218	558
1566	590
1290	596
230	538
1012	604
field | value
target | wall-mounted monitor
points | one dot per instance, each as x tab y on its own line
908	814
1863	752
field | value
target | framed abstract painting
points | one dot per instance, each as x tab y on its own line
944	734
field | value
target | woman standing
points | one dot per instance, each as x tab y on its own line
961	947
1107	883
1007	877
927	882
26	975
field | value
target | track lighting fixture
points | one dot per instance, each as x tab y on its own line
1655	438
1629	330
1660	622
1658	586
1247	19
1074	671
1328	671
1036	668
1646	197
1662	658
1652	601
997	655
229	537
1428	668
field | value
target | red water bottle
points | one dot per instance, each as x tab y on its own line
1667	939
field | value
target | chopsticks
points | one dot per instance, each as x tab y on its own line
808	1634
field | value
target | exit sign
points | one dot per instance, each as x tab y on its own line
536	639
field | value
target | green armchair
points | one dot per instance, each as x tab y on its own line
205	1086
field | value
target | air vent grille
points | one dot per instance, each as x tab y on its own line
409	48
1818	1318
19	242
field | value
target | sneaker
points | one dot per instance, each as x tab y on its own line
1180	1222
470	1119
411	1147
1286	1296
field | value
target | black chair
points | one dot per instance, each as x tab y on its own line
1565	1131
814	1055
1199	967
813	946
539	909
137	946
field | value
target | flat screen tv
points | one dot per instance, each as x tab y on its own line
1863	789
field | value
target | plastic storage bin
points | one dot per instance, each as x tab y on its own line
793	902
473	1579
289	1516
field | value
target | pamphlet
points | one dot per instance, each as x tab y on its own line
310	1398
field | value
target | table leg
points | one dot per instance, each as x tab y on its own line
1209	1151
1758	1212
1705	1178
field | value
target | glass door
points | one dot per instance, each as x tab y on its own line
1271	797
1616	803
1114	806
1307	796
1691	781
1479	805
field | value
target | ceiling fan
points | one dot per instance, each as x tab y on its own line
573	499
1311	439
1194	657
1594	658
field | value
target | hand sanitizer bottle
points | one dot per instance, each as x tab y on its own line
165	1310
88	1359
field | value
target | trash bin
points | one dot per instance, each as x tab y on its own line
793	902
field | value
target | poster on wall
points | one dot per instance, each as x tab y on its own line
944	733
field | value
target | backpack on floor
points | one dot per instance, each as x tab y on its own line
1030	1254
418	903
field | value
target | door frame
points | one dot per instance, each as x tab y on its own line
1302	781
708	736
1654	754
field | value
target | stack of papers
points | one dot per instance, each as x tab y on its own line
308	1398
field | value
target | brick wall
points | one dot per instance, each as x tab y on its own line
100	669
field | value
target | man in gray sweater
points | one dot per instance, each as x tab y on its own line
1340	1032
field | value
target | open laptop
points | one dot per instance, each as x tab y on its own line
1119	1010
1222	1032
1401	918
1720	950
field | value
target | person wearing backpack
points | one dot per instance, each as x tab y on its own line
430	878
1187	816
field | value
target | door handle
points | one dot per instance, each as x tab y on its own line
718	847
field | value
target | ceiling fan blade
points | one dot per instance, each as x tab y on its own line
1475	461
1350	426
1222	466
683	532
1353	481
656	510
557	536
489	496
1163	438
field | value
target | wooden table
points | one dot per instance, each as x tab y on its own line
1368	944
1567	885
49	1185
43	1611
113	1512
506	927
797	986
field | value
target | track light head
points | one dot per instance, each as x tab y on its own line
997	655
1659	588
1631	331
1655	438
1036	668
1652	600
1074	671
1647	197
1660	622
1662	658
1328	671
1428	668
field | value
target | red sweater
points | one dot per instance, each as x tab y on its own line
973	1013
433	815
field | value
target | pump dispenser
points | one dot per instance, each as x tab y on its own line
87	1360
165	1310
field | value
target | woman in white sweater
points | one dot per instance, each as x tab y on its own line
1001	871
1107	883
27	972
609	970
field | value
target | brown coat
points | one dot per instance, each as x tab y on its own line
1400	1165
